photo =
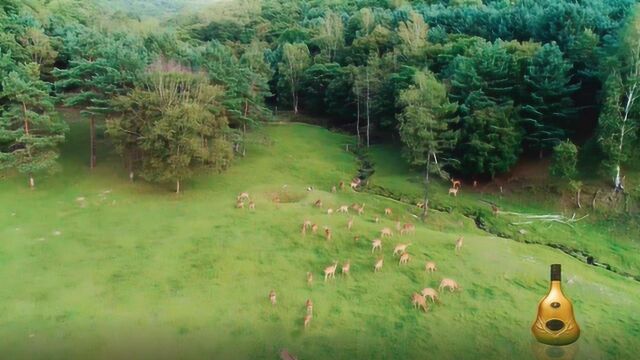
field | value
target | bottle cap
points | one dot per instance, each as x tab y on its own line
555	272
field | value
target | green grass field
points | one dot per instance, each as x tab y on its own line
135	271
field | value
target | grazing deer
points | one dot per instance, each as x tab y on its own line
448	283
404	258
378	265
400	248
350	224
243	196
376	244
494	209
306	224
388	211
309	278
239	204
318	203
309	306
459	244
329	211
419	302
430	266
330	271
361	209
386	232
304	230
343	209
453	191
455	183
420	205
333	189
376	219
327	233
355	183
272	297
341	185
408	229
252	205
346	267
307	320
286	355
430	293
314	228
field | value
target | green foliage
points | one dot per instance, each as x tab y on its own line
295	59
564	160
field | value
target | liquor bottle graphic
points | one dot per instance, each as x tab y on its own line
555	323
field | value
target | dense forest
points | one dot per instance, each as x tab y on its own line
468	86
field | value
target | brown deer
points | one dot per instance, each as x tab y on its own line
388	211
243	196
252	205
309	306
239	204
329	211
346	267
408	229
376	244
449	284
330	271
286	355
459	244
314	228
350	224
455	183
327	233
309	278
318	203
303	230
494	209
355	183
453	191
400	248
376	219
378	265
386	232
404	258
361	209
419	302
307	320
430	266
272	297
341	185
343	209
430	293
333	189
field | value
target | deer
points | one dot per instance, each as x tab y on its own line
420	205
272	297
355	183
303	230
341	185
378	265
408	229
239	204
459	244
361	209
404	258
309	306
318	203
494	209
449	284
252	205
430	266
314	228
307	320
453	191
346	267
309	278
276	200
430	293
419	302
243	196
327	233
376	219
376	244
329	211
400	248
386	232
343	209
350	224
455	183
388	211
333	189
330	271
286	355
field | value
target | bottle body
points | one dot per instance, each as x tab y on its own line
555	323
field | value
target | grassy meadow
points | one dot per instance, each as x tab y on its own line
134	271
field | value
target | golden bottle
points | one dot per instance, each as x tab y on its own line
555	324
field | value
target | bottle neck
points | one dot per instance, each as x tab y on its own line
555	286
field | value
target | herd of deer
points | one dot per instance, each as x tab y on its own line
418	300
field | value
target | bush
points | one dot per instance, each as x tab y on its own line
563	162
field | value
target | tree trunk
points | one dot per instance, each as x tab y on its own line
92	135
244	127
358	116
368	101
178	186
593	201
426	188
578	198
32	182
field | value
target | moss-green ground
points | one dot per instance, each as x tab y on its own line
140	273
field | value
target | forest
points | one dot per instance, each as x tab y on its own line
313	179
469	86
